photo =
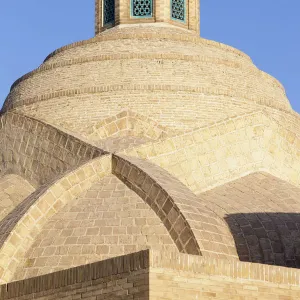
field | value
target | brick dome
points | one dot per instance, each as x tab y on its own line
162	72
150	143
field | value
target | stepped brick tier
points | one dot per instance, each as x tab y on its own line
149	163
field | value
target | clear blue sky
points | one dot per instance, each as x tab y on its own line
267	30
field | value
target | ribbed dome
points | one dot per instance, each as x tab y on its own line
165	73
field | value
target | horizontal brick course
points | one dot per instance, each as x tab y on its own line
110	279
150	61
153	275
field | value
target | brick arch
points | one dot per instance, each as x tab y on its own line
105	221
194	228
19	229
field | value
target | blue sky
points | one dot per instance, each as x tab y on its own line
267	30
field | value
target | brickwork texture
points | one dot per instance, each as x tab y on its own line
149	163
150	275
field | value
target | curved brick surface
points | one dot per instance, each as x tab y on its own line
193	227
202	109
106	221
183	118
37	151
148	136
13	189
19	229
176	220
153	66
147	32
262	212
220	152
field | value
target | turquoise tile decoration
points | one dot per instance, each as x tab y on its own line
108	11
178	10
141	8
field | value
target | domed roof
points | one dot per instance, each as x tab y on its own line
163	72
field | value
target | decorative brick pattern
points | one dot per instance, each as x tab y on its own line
105	221
193	228
141	8
39	152
178	8
13	189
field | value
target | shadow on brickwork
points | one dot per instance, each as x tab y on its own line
268	238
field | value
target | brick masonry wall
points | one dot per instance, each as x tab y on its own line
178	276
189	223
183	215
191	74
270	145
175	41
174	285
124	130
124	277
190	110
177	79
157	275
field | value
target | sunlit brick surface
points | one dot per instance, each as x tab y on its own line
149	138
106	221
13	190
164	74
